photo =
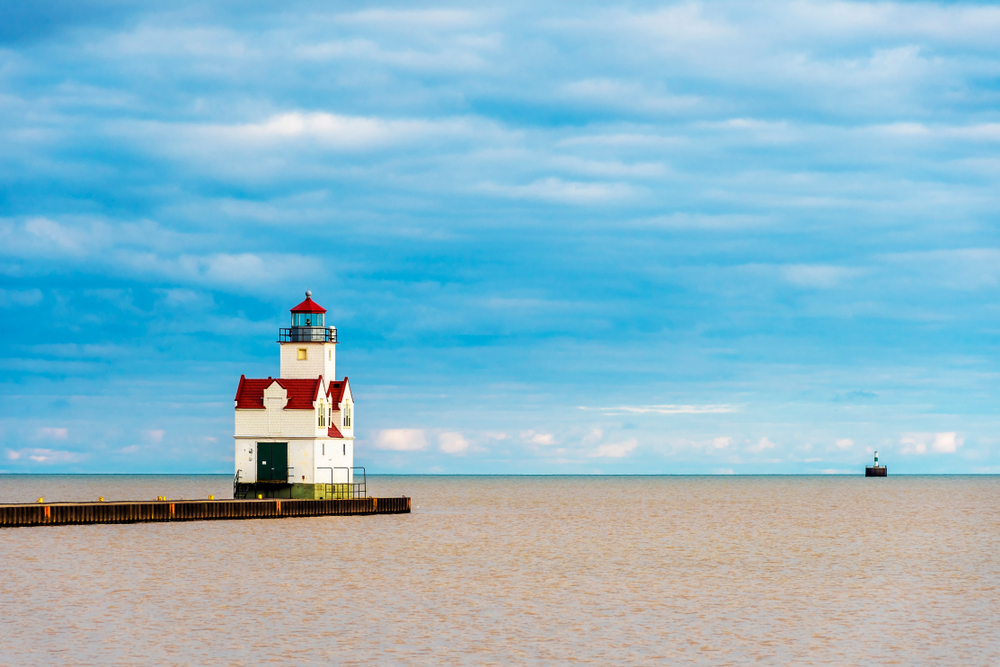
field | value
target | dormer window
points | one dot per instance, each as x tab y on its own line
347	415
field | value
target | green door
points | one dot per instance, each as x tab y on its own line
272	461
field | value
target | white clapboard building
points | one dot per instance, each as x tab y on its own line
295	432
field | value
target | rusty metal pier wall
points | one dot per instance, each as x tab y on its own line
60	514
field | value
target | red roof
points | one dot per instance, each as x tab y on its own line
334	432
335	392
308	306
301	393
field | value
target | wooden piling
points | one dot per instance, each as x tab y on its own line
60	514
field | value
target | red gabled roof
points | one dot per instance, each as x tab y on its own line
301	393
308	306
335	391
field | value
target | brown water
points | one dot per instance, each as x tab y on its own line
520	571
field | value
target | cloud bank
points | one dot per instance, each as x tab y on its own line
696	237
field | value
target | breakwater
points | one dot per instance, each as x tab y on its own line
57	514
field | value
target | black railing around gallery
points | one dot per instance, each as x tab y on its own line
307	335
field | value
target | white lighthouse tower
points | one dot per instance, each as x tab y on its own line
295	433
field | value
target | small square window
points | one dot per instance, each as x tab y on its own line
303	354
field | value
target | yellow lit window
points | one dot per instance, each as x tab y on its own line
303	354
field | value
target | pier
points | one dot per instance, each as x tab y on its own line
61	514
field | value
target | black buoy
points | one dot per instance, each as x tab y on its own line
876	470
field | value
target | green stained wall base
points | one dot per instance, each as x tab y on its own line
301	491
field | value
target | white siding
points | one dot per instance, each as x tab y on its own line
290	424
300	462
333	453
246	461
321	360
307	458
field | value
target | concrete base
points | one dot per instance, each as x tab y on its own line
298	491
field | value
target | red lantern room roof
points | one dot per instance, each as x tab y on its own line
308	306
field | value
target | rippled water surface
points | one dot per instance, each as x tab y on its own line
519	570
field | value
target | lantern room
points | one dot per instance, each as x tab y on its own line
308	324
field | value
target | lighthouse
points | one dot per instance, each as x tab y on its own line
294	433
876	470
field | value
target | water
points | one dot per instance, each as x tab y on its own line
520	570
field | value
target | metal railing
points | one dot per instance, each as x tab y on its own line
350	488
307	335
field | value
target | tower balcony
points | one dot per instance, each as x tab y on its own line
307	335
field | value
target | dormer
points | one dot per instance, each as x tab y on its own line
275	397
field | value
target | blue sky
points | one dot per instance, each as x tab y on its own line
707	237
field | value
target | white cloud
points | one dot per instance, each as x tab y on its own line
666	409
407	19
912	445
54	433
146	249
538	438
630	96
844	443
608	168
761	446
838	20
921	443
566	192
817	276
303	129
722	442
156	40
947	442
453	58
452	443
155	435
401	440
615	450
332	129
959	269
46	455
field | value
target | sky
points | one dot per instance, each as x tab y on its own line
555	238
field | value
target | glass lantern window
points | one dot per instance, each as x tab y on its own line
308	319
